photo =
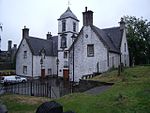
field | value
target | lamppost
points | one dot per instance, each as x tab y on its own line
42	53
119	68
73	38
57	63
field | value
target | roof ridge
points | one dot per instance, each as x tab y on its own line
36	38
110	28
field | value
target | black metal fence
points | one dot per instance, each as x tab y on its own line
45	88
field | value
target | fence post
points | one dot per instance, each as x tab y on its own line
31	88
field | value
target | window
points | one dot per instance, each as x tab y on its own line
65	64
125	47
65	54
49	71
25	54
24	69
74	26
63	42
90	50
63	25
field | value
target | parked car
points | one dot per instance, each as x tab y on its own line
12	79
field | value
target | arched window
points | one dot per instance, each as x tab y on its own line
63	25
63	42
74	26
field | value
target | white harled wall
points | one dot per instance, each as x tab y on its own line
124	54
49	62
21	61
69	32
84	65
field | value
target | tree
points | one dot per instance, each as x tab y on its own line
138	36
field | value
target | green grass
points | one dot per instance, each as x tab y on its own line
22	104
7	70
138	73
130	94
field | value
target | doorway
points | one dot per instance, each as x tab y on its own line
43	73
66	74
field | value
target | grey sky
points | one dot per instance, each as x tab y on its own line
41	15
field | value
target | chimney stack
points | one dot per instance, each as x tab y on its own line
49	36
25	32
15	46
122	24
87	17
9	45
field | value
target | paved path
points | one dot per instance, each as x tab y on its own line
98	90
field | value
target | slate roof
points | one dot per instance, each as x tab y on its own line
111	37
37	44
68	14
115	34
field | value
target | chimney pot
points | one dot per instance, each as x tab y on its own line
15	45
85	9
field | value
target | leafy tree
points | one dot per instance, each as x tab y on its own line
138	36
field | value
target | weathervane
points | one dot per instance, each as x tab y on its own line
69	3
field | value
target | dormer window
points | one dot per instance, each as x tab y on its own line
63	25
74	26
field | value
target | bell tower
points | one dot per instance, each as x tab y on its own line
68	24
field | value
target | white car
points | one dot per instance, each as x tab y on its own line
12	79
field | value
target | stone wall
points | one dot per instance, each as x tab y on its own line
88	84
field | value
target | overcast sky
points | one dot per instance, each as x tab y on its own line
40	16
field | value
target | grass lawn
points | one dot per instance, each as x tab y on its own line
130	94
22	104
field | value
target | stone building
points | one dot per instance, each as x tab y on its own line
97	50
68	24
35	56
7	58
73	54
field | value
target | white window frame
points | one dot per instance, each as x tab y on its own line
24	69
90	50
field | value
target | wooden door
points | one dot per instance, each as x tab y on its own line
66	74
43	73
